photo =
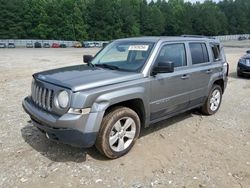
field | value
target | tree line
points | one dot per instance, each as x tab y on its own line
110	19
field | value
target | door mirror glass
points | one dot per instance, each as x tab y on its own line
163	67
87	58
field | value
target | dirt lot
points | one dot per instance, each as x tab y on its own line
187	151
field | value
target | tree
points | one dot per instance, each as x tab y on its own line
151	19
129	10
111	19
11	16
103	20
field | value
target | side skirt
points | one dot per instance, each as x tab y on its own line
174	114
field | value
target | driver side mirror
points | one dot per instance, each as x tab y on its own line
163	67
248	51
87	58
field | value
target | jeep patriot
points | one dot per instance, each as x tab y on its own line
130	83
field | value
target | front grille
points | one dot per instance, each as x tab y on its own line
42	96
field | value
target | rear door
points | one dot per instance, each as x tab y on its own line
201	72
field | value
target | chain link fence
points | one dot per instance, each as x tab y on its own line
23	42
232	37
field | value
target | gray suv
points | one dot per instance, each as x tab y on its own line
131	83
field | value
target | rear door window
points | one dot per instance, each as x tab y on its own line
199	53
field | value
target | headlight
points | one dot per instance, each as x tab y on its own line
63	99
245	61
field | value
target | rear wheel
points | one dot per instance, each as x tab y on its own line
119	130
213	101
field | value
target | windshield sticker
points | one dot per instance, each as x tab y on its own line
138	48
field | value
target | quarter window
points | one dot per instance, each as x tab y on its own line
175	53
216	51
199	53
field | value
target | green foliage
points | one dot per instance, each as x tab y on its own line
110	19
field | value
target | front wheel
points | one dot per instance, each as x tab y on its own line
213	101
119	130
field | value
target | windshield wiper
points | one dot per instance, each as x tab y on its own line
91	65
104	65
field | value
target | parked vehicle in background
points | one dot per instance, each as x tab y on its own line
98	44
29	45
243	68
131	83
46	45
63	46
38	45
2	45
11	45
55	45
104	44
88	44
77	45
91	44
242	38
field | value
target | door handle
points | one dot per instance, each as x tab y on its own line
209	71
185	76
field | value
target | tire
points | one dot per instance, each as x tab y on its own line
239	74
112	140
215	96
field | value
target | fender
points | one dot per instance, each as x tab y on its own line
108	99
213	79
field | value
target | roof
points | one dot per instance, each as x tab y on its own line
170	38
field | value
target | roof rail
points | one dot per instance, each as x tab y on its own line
198	36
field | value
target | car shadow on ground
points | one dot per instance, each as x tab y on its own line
234	75
168	122
55	151
58	152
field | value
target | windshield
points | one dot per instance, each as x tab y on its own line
124	55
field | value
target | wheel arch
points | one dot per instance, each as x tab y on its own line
135	104
133	98
220	82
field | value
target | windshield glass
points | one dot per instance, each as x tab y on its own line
124	55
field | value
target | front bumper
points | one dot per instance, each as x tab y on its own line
243	69
73	129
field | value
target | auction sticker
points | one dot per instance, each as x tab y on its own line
138	48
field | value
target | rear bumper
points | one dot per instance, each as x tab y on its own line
73	129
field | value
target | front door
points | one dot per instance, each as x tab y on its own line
170	91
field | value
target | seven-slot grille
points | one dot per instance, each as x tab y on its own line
42	96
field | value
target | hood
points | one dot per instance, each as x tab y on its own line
82	77
247	56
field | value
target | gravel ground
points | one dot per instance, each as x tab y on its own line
187	151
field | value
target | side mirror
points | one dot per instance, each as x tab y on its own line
87	58
248	51
163	67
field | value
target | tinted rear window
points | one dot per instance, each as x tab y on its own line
199	53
